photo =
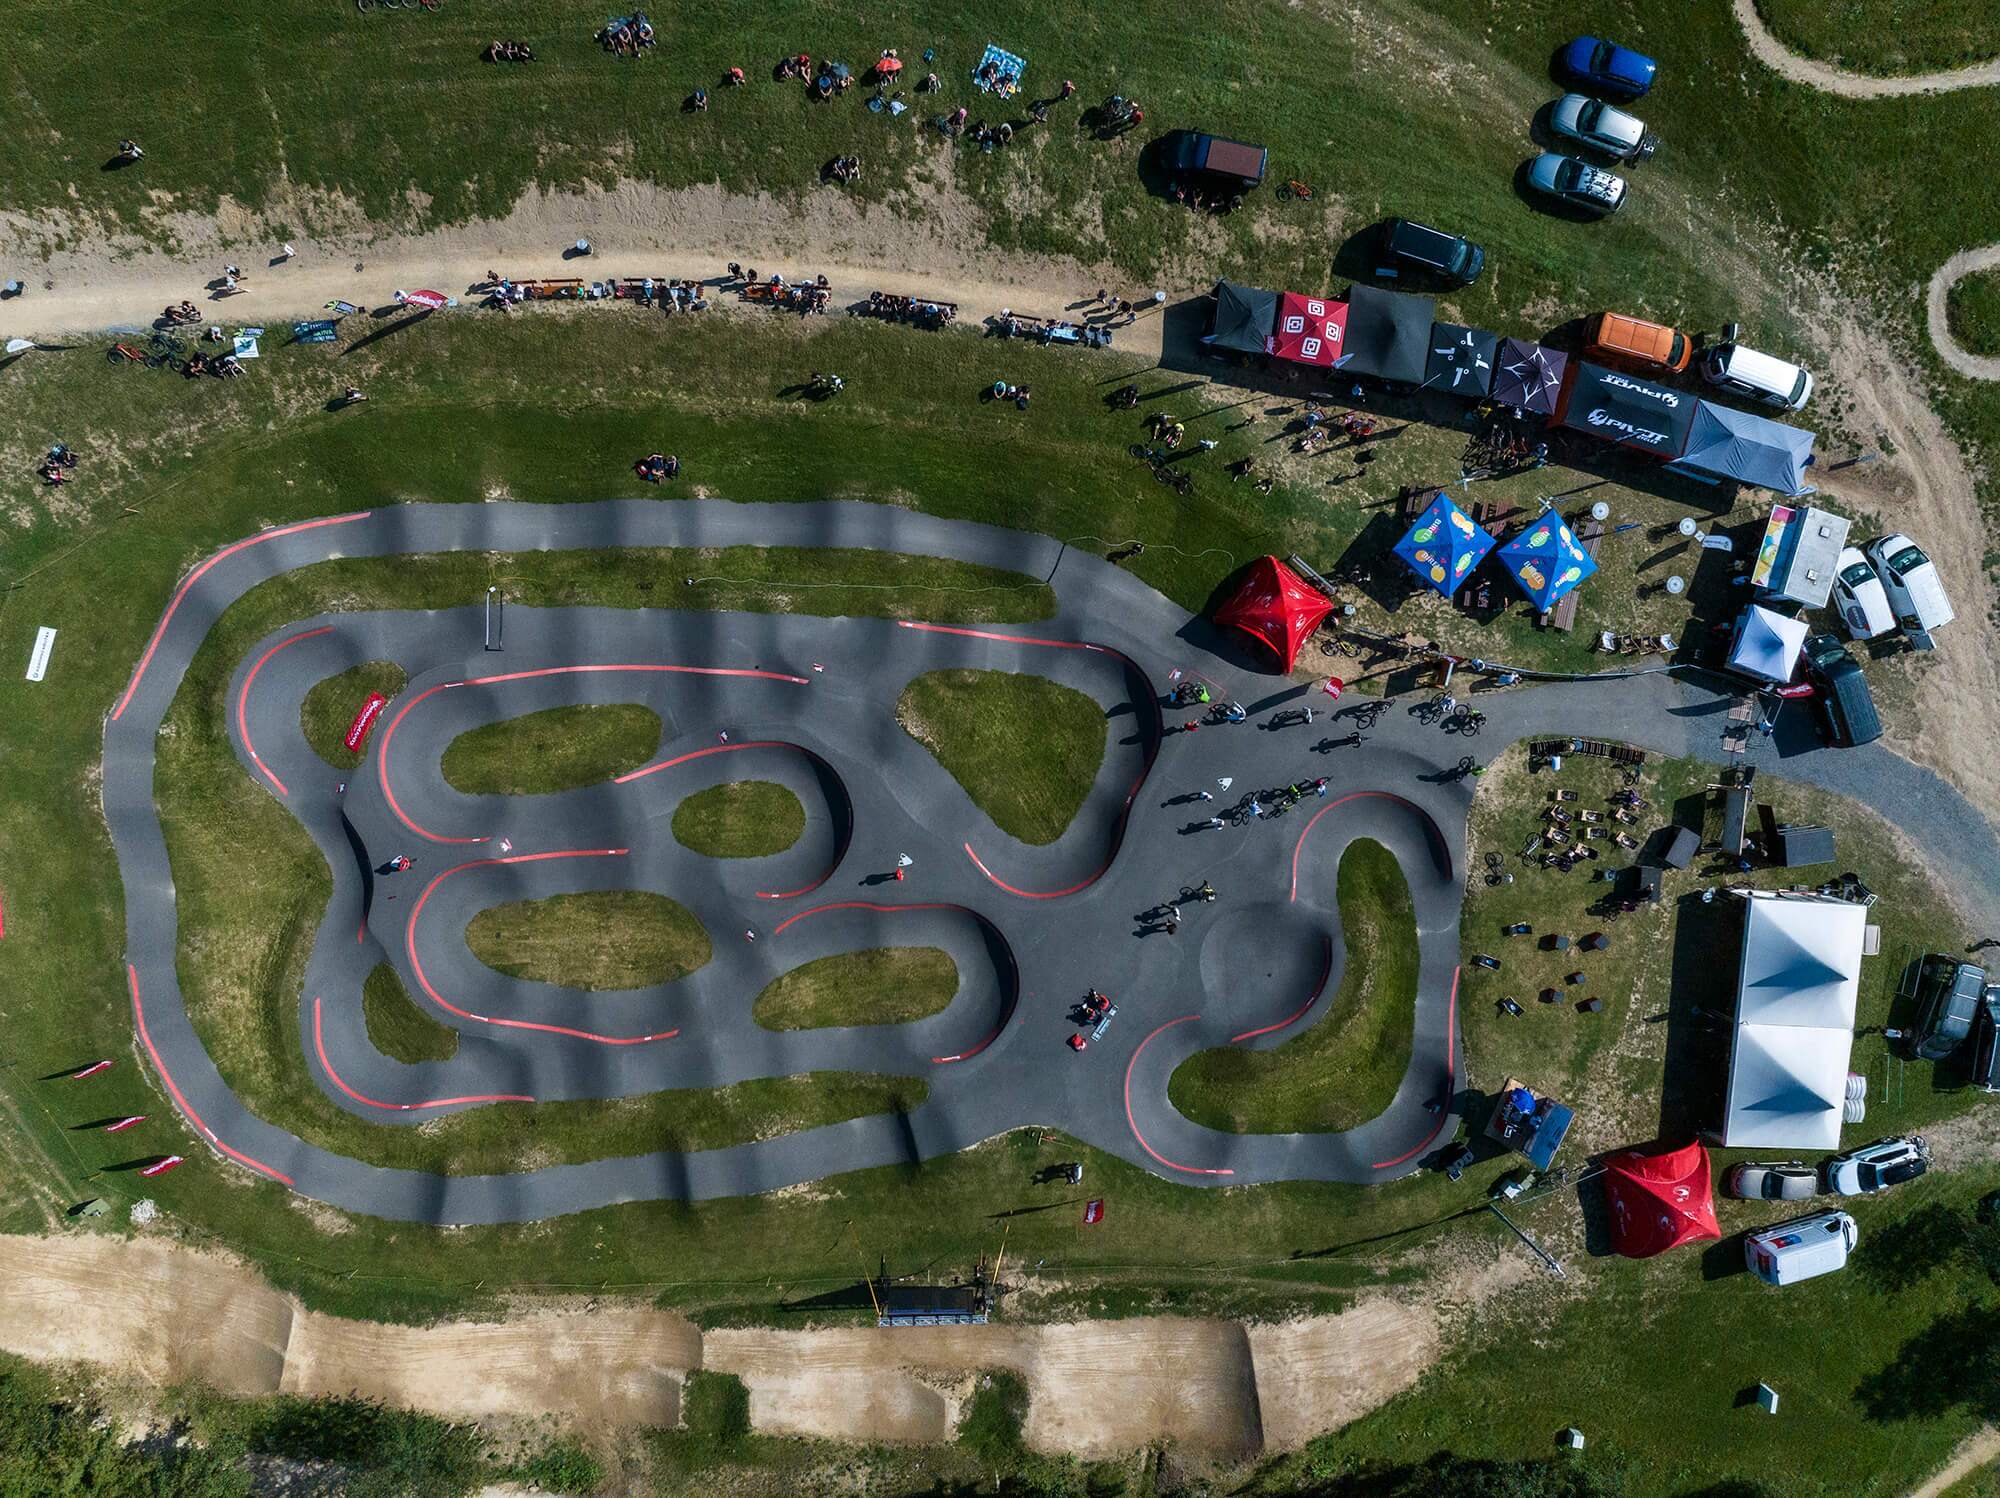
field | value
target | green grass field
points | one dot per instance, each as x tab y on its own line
1973	308
744	819
1025	749
1345	1067
606	939
1886	37
556	749
879	986
330	705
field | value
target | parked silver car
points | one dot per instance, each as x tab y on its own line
1772	1181
1602	127
1878	1166
1569	180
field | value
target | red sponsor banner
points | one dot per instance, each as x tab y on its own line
1335	686
357	731
120	1125
1093	1211
429	300
89	1071
161	1167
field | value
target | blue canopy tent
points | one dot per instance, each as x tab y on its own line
1727	444
1547	561
1444	545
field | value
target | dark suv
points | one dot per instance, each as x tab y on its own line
1949	993
1845	704
1401	245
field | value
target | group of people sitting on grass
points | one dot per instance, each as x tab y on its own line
909	309
1209	202
55	468
182	312
844	169
655	467
497	51
1018	394
629	36
222	366
673	296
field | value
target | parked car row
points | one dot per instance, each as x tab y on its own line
1859	1172
1605	69
1955	1003
1887	583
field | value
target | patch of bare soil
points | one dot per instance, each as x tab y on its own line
926	249
1977	1451
158	1313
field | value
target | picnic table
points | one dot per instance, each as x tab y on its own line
1589	538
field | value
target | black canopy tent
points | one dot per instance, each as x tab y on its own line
1244	317
1388	335
1528	376
1460	360
1617	407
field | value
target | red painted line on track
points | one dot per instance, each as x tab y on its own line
196	576
382	754
1299	846
1193	1170
1450	1070
319	1044
965	1055
1313	999
417	967
243	699
139	1017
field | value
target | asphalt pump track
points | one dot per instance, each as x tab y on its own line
809	702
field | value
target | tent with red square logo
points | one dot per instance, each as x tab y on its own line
1309	330
1659	1202
1276	606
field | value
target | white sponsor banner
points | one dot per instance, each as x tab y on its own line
38	662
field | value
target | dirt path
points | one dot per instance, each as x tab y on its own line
1775	55
1973	1454
160	1313
636	229
1965	263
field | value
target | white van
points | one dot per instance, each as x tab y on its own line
1758	377
1799	1249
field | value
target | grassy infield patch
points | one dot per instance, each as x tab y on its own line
1886	37
599	940
556	749
1973	307
1345	1067
743	819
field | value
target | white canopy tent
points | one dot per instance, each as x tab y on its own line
1795	996
1767	644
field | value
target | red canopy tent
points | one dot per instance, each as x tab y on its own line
1309	330
1659	1202
1275	606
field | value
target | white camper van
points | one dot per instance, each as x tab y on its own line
1758	377
1797	1250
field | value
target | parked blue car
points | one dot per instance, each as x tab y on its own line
1606	67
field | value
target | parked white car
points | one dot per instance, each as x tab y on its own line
1915	591
1860	597
1592	122
1878	1166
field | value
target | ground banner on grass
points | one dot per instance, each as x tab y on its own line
244	346
1007	82
319	330
1093	1212
341	309
357	731
430	301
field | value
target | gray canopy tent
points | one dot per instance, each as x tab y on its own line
1728	444
1244	317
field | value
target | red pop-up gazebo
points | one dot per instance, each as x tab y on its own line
1659	1202
1308	330
1277	607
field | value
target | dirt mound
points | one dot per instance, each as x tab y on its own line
148	1309
1096	1388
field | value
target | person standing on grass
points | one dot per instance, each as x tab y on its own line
129	150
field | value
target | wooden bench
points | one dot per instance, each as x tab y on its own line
1589	538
